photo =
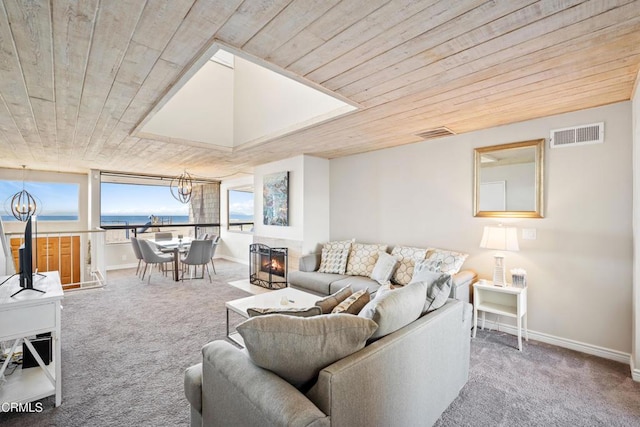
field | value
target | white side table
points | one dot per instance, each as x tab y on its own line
502	300
30	313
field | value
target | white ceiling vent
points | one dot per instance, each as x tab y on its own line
435	133
577	135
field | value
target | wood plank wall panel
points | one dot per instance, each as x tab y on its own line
78	77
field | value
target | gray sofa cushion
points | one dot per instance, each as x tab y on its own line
316	282
357	283
396	308
297	348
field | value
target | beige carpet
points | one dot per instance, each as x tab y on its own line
125	348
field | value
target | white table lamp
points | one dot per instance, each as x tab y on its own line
502	239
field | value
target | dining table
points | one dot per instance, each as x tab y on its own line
175	246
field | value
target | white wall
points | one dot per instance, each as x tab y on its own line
202	110
234	245
316	204
635	353
268	104
579	268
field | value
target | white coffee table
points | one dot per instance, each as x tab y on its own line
294	298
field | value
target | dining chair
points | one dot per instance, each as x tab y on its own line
199	254
150	256
136	251
215	240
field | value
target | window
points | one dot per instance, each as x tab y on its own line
240	214
55	201
138	204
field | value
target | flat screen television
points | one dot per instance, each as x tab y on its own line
25	257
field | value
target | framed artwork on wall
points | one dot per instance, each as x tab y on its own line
275	199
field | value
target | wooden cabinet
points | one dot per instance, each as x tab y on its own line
54	254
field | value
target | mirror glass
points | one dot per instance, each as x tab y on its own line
508	180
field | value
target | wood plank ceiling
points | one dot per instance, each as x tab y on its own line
78	76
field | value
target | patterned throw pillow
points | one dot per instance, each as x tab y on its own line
328	303
426	265
298	312
339	244
451	262
353	304
384	268
407	258
333	261
362	258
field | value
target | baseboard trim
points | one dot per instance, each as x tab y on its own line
635	370
228	258
582	347
121	266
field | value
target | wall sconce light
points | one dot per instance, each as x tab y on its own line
502	239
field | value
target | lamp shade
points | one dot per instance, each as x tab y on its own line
500	238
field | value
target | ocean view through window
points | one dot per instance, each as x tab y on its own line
55	201
240	203
142	206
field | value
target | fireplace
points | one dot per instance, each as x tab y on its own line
268	266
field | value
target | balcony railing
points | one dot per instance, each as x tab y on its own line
120	233
77	255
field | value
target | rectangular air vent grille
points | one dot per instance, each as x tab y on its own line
577	135
435	133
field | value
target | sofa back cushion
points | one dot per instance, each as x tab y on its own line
297	348
394	309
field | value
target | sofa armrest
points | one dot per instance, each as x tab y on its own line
237	392
461	288
434	351
309	262
193	386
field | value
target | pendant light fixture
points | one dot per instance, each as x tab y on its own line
181	187
23	204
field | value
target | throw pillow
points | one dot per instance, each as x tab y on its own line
432	265
438	288
384	268
407	258
451	262
333	261
297	348
328	303
299	312
362	258
354	303
395	309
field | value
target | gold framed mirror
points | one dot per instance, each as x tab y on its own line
508	180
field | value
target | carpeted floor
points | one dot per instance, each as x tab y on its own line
125	348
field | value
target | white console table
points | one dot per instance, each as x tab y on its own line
501	300
22	316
